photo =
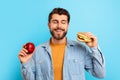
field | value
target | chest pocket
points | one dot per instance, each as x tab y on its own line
76	67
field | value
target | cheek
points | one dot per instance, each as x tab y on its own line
66	28
50	27
53	27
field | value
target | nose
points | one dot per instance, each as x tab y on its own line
59	25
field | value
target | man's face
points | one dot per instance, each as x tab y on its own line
58	26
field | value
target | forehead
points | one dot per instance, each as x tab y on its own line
59	17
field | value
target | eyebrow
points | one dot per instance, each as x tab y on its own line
54	20
64	20
57	20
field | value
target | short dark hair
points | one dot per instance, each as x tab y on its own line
59	11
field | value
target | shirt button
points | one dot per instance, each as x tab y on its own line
75	60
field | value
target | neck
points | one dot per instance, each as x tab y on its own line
58	41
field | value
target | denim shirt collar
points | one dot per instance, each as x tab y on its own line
47	44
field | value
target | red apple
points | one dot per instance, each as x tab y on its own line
30	47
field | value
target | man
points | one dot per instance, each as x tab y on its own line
60	58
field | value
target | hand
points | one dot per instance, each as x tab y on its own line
93	43
23	56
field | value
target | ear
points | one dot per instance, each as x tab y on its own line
49	25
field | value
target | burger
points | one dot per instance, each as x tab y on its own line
83	37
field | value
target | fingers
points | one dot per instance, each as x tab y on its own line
92	43
23	55
23	52
90	35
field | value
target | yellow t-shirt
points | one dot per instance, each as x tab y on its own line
58	51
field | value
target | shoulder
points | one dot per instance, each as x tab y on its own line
76	43
41	48
42	45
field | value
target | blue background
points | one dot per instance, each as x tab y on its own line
22	21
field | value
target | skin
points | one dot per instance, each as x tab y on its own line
58	26
93	43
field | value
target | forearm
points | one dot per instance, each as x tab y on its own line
98	63
28	70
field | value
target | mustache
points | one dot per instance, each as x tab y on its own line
59	29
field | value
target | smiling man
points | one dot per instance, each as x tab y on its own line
61	58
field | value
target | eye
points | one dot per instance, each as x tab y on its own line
63	21
54	22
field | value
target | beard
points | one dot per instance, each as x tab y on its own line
58	37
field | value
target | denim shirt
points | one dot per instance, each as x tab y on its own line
77	58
